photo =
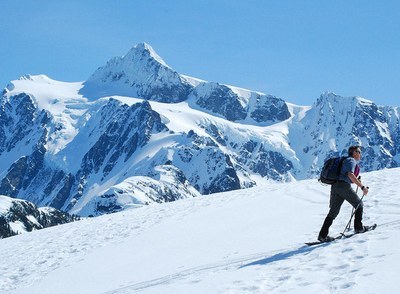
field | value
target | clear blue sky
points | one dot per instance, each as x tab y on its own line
288	48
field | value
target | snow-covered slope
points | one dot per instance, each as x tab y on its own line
90	147
247	241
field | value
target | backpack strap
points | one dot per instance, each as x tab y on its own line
339	170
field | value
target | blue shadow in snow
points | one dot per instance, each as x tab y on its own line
284	255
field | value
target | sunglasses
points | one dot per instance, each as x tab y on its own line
358	151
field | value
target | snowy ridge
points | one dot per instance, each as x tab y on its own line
247	241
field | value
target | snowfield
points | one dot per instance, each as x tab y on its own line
244	241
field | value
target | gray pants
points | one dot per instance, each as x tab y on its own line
341	191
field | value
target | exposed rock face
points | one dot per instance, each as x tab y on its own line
220	99
22	125
208	168
223	100
18	216
267	108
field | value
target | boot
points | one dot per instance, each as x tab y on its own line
358	225
323	234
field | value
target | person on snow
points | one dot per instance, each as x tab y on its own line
342	190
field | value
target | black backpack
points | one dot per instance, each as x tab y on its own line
331	171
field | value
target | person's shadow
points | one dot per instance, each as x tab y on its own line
285	255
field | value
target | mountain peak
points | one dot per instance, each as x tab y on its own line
332	98
328	94
143	49
140	59
143	46
140	73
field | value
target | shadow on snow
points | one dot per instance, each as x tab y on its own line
284	255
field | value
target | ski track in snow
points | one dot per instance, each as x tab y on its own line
261	253
289	264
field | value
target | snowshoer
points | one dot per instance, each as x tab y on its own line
342	190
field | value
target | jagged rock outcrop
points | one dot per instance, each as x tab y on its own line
19	216
167	184
240	105
267	108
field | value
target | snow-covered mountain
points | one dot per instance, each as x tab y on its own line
246	241
19	216
335	122
140	73
137	132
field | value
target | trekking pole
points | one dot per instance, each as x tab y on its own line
348	224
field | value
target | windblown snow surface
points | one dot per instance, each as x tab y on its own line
244	241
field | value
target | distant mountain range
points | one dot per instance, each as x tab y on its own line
138	132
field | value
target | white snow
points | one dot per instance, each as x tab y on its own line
18	226
384	130
5	204
145	46
245	241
